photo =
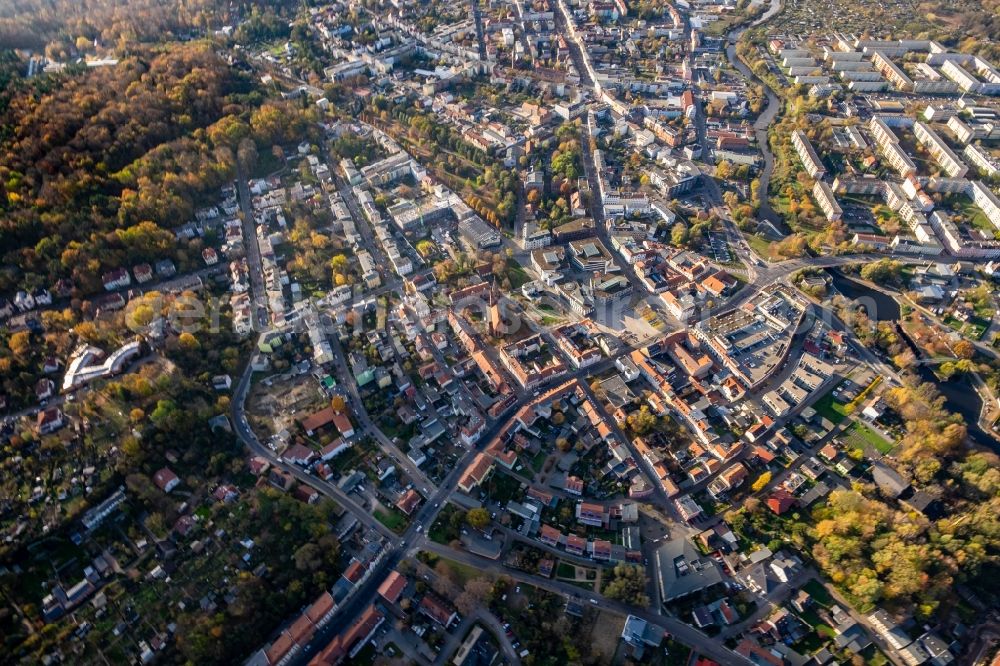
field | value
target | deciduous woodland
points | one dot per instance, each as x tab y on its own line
96	165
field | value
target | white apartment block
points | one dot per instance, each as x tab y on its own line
890	71
827	201
807	154
938	113
898	159
868	86
982	160
945	156
881	131
961	76
962	131
952	239
859	75
986	200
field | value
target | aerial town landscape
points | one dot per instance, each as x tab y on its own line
500	332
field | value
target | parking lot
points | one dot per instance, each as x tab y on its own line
720	248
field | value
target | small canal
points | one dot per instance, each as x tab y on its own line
959	394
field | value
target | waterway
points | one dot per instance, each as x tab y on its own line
959	394
763	122
878	306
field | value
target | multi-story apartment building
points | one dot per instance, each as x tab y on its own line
982	160
939	150
827	201
810	160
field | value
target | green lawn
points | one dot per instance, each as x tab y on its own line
860	435
503	488
392	519
759	244
829	408
539	460
565	570
676	654
818	592
442	531
463	572
974	328
517	275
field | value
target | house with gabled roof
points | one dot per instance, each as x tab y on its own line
166	480
437	610
49	420
409	501
780	501
392	587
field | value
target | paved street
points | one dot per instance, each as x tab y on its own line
760	275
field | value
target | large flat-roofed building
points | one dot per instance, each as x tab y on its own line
939	150
987	202
961	76
827	201
898	159
682	570
810	160
478	234
978	157
591	255
890	71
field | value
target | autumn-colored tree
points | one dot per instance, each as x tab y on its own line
761	482
478	518
964	349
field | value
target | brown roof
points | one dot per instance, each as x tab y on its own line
781	501
342	423
163	477
436	610
409	501
318	419
476	472
279	648
354	571
320	607
301	630
392	586
550	534
342	644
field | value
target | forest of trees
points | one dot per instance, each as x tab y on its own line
62	27
876	550
95	170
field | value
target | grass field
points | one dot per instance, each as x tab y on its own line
463	572
392	519
759	244
860	435
974	328
829	408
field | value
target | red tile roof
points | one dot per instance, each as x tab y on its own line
781	501
318	419
392	586
354	571
436	610
340	646
320	607
409	501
